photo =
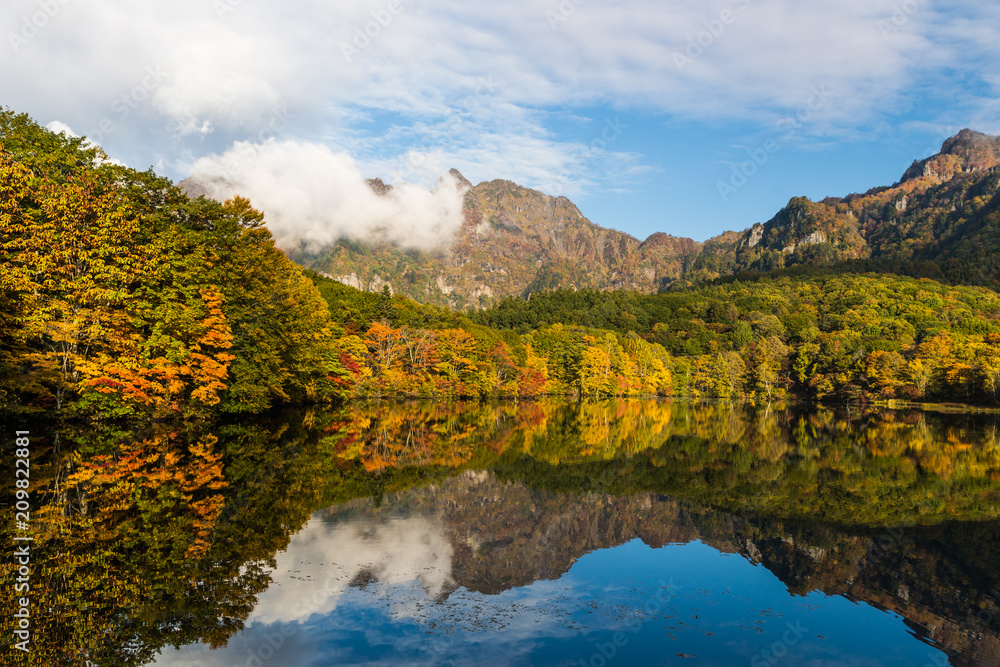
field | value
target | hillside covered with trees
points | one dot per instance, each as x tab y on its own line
939	221
123	296
820	336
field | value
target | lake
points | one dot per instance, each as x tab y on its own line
628	532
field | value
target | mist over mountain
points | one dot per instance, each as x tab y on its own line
513	241
939	220
313	197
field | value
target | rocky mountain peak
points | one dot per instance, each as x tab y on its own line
669	242
516	241
977	151
967	151
462	180
378	186
193	188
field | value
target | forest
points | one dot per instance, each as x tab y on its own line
123	297
818	335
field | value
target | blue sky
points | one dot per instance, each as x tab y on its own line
637	110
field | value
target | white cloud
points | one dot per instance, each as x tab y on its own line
395	551
230	73
60	127
427	58
309	193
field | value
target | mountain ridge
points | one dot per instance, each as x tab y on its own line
940	220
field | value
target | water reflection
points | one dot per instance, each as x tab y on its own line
493	527
543	578
374	555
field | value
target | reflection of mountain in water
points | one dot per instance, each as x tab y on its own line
504	535
170	536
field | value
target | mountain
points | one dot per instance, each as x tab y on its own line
513	241
941	220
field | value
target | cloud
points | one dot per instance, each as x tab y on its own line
394	551
60	127
380	80
314	195
403	563
230	66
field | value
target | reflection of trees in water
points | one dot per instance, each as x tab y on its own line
164	541
873	467
866	468
941	579
165	537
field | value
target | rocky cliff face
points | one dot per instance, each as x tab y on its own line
514	241
939	220
966	152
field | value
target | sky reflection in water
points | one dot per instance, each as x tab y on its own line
378	589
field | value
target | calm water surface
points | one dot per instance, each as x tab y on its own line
600	533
